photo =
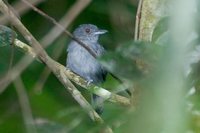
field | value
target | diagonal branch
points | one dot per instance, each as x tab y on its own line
20	9
61	27
77	79
67	19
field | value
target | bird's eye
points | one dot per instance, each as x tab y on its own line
87	30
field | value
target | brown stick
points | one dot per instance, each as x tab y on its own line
77	79
61	27
20	9
137	22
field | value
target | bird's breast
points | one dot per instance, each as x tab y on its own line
81	61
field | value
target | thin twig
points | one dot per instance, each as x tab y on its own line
20	9
25	106
61	28
46	72
137	22
67	19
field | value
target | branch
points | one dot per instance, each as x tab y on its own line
100	91
105	94
20	9
67	19
61	27
137	21
25	106
46	72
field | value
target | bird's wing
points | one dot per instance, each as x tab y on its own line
100	50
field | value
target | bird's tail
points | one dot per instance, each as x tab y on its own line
97	103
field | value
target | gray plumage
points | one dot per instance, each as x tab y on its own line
80	61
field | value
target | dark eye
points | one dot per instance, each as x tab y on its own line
87	30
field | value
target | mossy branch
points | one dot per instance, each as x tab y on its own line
151	12
77	79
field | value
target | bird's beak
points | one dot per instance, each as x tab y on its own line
100	32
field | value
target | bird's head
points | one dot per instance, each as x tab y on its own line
88	32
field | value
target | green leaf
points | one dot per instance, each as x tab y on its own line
132	60
120	66
161	31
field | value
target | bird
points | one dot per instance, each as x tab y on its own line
80	61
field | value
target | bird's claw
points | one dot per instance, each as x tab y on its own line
89	82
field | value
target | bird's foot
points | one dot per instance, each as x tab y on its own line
89	82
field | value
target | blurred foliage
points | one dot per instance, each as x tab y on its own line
133	60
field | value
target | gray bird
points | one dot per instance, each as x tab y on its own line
80	61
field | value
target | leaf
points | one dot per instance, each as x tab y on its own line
133	60
161	31
122	67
